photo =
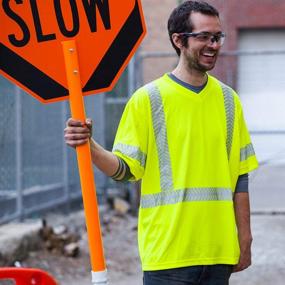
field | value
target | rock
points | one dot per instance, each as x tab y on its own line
121	206
16	240
60	230
59	239
46	231
71	250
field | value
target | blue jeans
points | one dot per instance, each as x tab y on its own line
192	275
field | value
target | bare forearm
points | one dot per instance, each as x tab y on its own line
105	160
78	133
242	213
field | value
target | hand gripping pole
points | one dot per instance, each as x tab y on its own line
99	272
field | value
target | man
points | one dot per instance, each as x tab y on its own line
185	137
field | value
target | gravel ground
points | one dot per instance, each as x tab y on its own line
120	243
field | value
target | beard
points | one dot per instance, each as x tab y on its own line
199	67
194	63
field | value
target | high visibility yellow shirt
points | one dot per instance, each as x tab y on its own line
188	149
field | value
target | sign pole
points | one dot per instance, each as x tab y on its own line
99	271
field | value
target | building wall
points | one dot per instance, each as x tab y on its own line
253	14
235	15
156	14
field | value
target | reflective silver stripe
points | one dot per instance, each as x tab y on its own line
186	195
131	151
159	126
246	152
230	115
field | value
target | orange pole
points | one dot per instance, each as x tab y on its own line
84	160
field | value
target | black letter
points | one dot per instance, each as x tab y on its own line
60	20
37	23
26	33
90	10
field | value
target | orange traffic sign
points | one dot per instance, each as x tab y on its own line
107	33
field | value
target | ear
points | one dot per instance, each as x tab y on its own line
177	40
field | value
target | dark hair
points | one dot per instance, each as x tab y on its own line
179	19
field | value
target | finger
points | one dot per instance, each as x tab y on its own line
74	144
88	122
89	125
241	266
76	137
76	130
74	123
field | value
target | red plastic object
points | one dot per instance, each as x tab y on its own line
27	276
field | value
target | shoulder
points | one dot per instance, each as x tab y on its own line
157	83
141	97
219	84
227	90
142	94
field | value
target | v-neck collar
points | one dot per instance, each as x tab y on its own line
188	92
195	89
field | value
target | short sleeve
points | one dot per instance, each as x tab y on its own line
132	135
248	160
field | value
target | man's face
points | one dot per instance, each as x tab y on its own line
199	54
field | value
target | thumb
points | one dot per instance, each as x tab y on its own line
88	122
89	125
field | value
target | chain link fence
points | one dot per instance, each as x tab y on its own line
37	170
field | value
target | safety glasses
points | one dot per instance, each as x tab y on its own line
207	37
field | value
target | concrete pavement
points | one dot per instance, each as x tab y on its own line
267	189
268	258
267	184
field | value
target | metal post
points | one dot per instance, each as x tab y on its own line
131	77
66	189
133	189
139	68
18	143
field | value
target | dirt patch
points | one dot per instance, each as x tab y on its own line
120	245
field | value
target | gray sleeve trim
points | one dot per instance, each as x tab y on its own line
242	184
123	167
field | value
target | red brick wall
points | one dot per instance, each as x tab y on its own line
156	14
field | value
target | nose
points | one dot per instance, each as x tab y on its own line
214	44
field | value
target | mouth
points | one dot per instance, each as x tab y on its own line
208	57
209	54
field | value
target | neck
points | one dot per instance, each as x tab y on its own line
190	76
